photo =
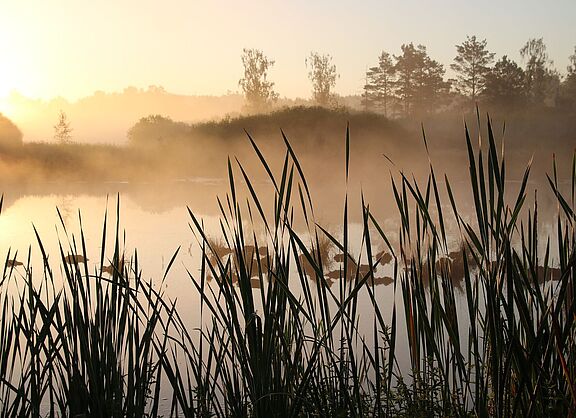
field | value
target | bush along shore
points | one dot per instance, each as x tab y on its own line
487	330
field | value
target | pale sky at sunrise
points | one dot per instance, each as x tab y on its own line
71	48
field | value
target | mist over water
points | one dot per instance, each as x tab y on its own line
168	169
162	173
155	198
269	209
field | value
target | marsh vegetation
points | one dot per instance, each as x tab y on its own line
289	319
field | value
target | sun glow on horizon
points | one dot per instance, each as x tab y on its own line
12	109
72	49
19	74
5	107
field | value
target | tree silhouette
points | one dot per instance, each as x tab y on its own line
322	73
379	89
257	89
541	81
156	130
472	65
419	84
572	66
62	130
505	85
569	84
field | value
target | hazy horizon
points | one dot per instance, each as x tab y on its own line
287	208
69	49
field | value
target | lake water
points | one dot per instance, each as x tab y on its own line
155	231
155	222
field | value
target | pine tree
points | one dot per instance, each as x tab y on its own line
505	85
472	65
367	98
380	83
419	83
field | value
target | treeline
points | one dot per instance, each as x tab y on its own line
412	83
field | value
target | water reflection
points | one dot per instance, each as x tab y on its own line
13	263
75	259
155	236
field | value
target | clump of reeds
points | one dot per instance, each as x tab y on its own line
301	351
87	346
280	336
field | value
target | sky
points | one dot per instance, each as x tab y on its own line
71	48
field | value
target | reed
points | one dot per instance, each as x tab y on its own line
489	328
83	347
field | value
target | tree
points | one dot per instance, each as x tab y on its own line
379	88
541	81
568	87
322	73
572	66
472	65
156	130
370	97
505	84
62	130
419	82
367	98
257	89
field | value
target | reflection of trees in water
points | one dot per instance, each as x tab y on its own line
155	198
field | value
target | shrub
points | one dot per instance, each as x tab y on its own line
10	135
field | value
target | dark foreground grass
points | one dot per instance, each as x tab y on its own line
280	335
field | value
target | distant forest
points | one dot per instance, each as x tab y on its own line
414	84
410	86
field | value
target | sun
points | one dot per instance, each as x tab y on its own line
7	79
11	107
10	76
16	73
20	70
5	108
14	83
